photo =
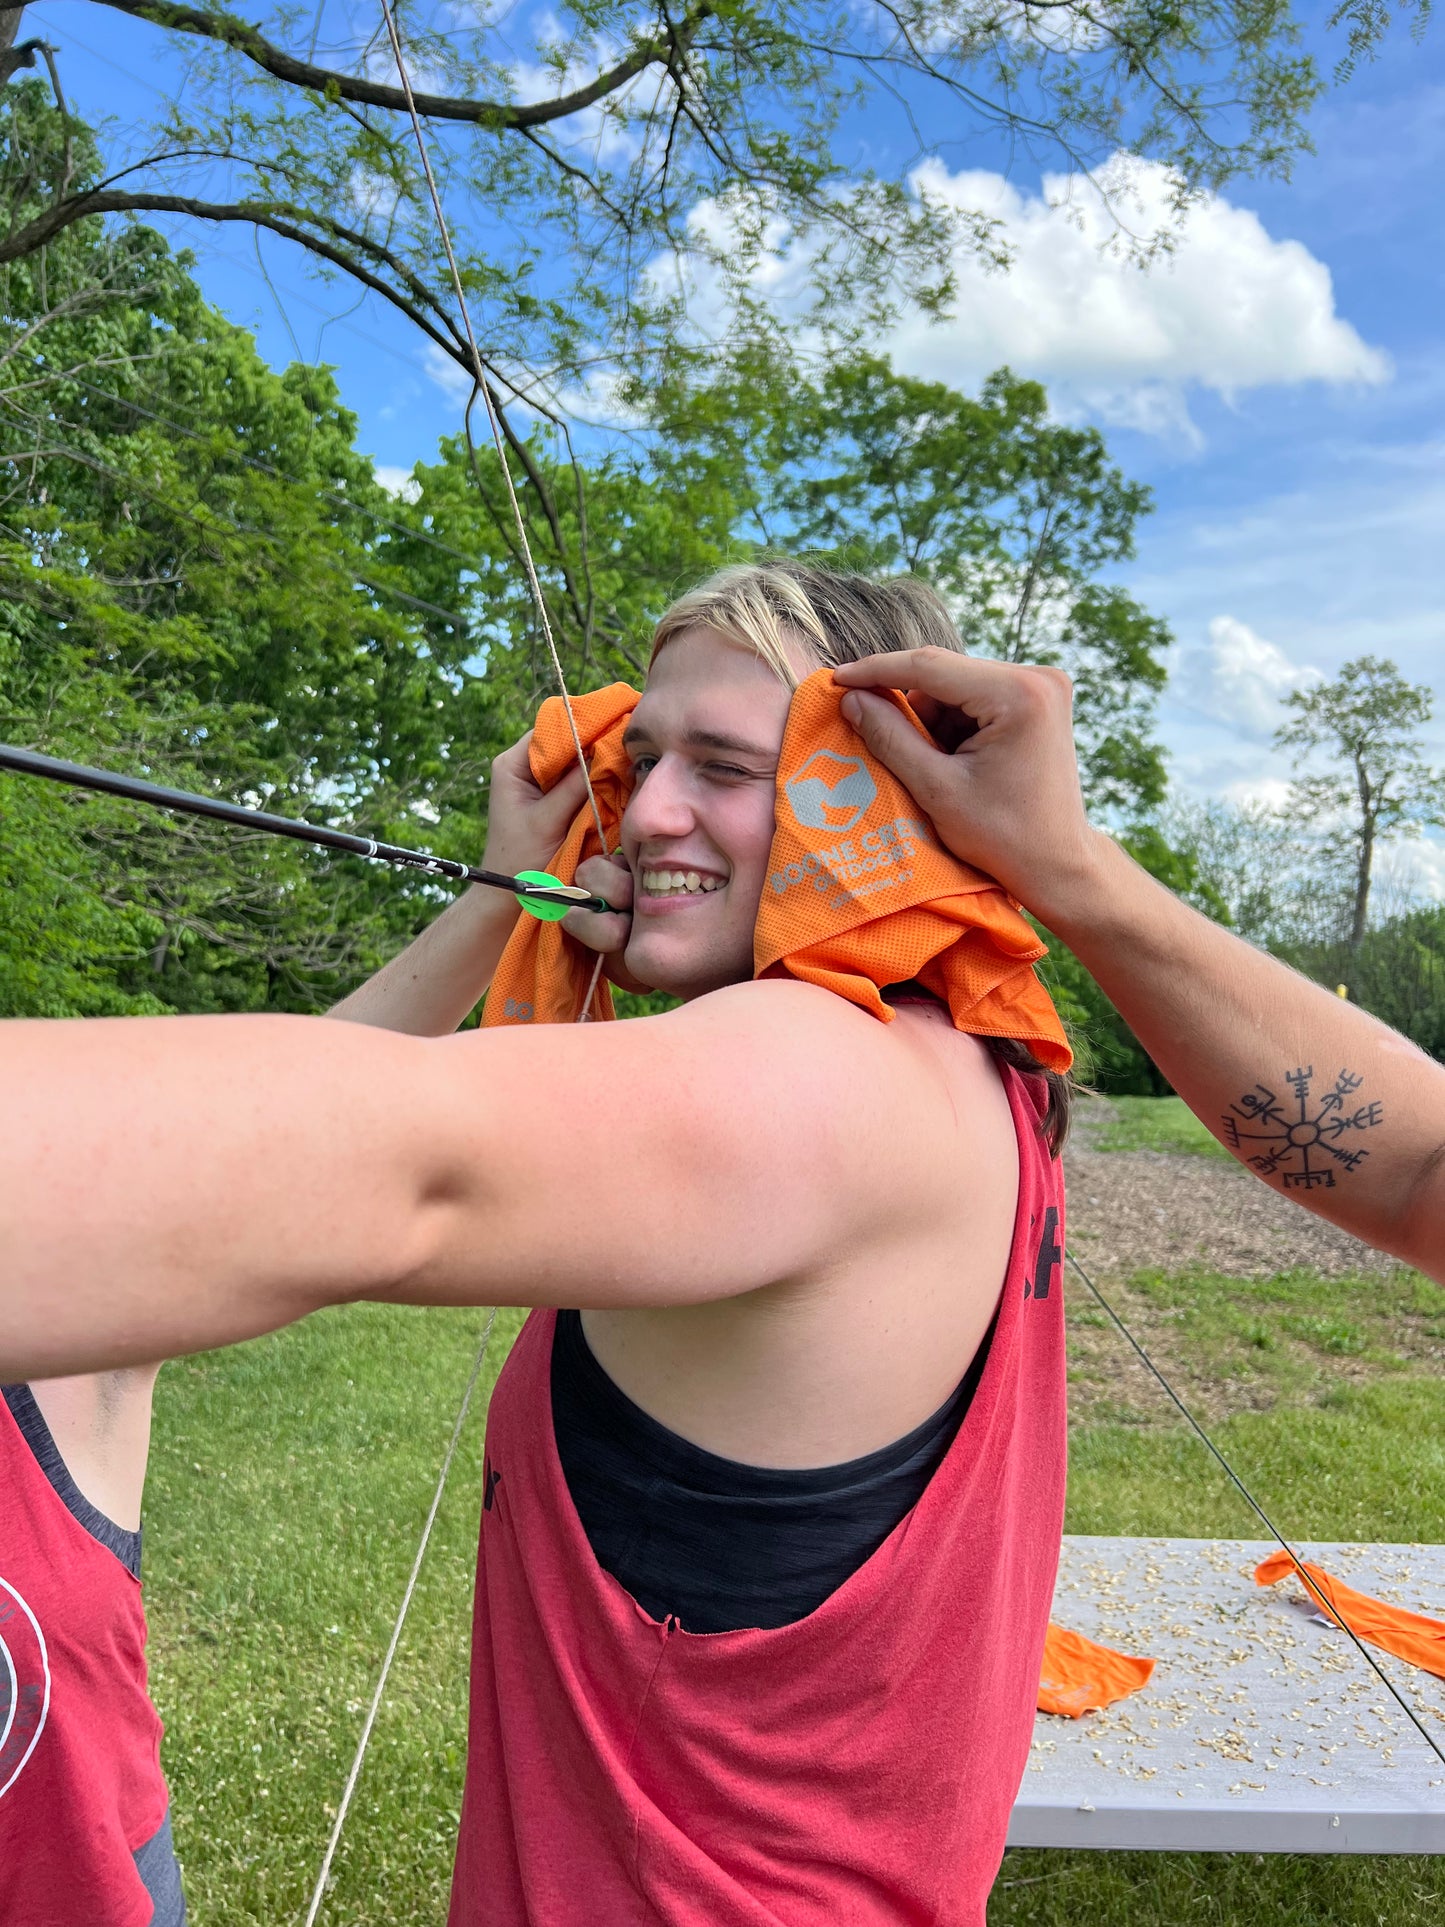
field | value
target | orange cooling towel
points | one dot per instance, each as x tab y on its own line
1409	1636
860	892
1079	1676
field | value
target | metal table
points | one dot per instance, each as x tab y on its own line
1262	1730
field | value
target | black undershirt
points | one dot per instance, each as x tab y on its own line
717	1544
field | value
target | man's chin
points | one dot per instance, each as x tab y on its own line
662	966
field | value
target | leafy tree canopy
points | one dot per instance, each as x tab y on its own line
582	149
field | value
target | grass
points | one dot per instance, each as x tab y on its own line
290	1478
1164	1124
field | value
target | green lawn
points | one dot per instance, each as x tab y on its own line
290	1479
1156	1124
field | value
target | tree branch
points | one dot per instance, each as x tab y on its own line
501	115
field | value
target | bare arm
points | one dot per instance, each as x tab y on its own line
1319	1099
175	1183
440	978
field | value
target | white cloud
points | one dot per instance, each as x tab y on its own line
1238	679
398	482
449	375
1257	792
1416	869
1230	308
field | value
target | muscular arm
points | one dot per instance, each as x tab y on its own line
176	1183
1321	1101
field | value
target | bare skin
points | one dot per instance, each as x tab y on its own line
1318	1099
781	1272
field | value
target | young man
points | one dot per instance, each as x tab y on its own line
787	1227
770	1530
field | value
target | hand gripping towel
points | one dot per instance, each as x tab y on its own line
1079	1676
860	893
1409	1636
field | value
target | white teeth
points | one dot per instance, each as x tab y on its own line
693	880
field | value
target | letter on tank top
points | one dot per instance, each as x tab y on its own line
81	1789
856	1766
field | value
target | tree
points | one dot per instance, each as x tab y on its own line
1013	516
198	581
1369	719
626	134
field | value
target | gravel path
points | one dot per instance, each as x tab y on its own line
1133	1210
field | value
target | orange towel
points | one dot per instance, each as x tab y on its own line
860	893
1409	1636
1079	1676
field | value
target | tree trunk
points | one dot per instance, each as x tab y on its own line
1368	813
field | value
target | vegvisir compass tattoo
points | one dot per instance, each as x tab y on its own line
1301	1138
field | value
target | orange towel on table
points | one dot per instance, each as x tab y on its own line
860	892
1409	1636
1079	1676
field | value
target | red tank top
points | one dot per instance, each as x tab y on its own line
81	1788
857	1766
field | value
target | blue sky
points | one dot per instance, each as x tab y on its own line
1280	382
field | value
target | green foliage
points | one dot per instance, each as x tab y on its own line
1396	972
197	582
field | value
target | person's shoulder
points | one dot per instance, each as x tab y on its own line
796	1017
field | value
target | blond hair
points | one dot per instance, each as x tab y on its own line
776	606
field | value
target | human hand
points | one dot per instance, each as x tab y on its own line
525	823
1000	780
610	878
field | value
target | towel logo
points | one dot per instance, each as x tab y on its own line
831	792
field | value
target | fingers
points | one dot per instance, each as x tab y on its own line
918	765
607	931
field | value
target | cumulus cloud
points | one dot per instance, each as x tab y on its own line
1230	308
1239	679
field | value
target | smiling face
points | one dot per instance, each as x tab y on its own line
704	743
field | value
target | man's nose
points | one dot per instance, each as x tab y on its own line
661	804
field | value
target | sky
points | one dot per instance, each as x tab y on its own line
1279	381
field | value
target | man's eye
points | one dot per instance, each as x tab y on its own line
641	765
728	770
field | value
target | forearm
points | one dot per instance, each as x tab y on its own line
171	1184
436	982
1324	1103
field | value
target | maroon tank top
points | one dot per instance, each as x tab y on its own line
857	1765
81	1788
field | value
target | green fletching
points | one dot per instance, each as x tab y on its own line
539	906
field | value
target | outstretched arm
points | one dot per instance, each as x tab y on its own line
1317	1098
169	1184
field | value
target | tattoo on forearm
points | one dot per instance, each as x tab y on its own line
1303	1138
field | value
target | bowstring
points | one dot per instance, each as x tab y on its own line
539	602
1331	1612
479	377
319	1891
